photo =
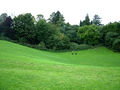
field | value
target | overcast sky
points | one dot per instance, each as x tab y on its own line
73	10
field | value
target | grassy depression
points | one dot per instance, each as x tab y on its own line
23	68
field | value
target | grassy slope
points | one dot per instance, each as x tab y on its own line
23	68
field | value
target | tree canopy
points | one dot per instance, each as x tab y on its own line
56	34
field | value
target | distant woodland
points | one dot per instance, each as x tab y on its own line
55	34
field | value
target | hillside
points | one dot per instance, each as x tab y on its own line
24	68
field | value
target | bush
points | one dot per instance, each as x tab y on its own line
3	37
22	40
116	45
75	46
41	45
110	37
84	46
58	42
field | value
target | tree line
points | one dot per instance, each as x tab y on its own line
54	33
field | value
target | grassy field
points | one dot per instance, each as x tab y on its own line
23	68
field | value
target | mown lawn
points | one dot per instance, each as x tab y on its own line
23	68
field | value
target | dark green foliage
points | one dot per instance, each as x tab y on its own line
110	37
70	31
57	18
74	46
111	34
6	27
24	28
58	42
43	30
3	16
111	27
81	24
3	37
89	34
86	21
51	36
55	34
116	45
96	20
41	45
22	40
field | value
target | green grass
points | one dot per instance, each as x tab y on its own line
23	68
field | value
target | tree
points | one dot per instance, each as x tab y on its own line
110	38
111	35
8	27
24	28
43	32
58	42
40	16
86	21
111	27
70	31
81	23
3	16
89	34
96	20
56	18
50	35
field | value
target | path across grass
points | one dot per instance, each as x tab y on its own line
24	68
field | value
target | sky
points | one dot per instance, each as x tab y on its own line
72	10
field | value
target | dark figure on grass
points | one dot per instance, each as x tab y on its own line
74	53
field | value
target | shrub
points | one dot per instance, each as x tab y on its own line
58	42
84	46
3	37
116	45
110	37
22	40
41	45
75	46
